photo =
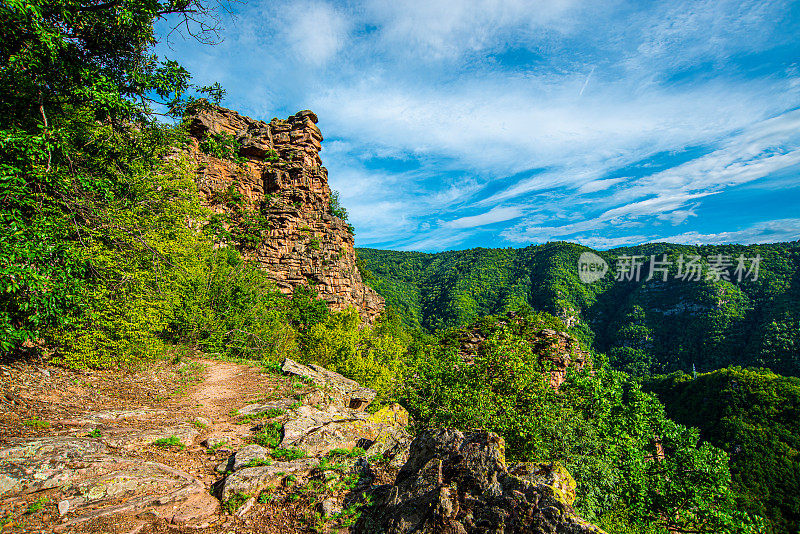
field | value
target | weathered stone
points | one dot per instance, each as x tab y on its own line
242	457
135	439
214	441
111	416
458	482
553	475
251	480
245	508
304	242
202	422
255	409
93	484
330	507
392	446
347	392
320	431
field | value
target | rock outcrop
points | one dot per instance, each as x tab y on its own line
558	350
269	180
459	483
92	482
347	392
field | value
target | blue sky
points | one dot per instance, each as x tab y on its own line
492	123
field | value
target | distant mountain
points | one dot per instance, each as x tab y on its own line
645	326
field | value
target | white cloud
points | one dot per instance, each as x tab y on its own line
424	83
598	185
315	30
494	215
432	29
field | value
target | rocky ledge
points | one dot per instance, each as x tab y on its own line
308	455
278	178
459	483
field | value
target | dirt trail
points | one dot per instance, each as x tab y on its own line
226	388
221	386
124	414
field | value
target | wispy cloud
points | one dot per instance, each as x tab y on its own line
494	215
507	122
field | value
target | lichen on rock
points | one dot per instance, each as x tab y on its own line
459	482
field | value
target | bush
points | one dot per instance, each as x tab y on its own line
600	425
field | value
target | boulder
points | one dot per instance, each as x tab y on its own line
346	392
318	431
251	480
459	483
243	457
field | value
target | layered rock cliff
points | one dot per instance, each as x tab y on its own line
266	183
558	351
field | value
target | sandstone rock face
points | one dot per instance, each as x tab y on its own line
459	483
280	176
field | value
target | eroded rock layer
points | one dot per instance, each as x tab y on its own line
273	185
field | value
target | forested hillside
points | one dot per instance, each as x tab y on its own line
645	326
754	415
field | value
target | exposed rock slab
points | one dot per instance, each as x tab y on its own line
251	480
459	483
347	392
318	431
242	457
93	484
134	439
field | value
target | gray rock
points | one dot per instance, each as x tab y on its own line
255	409
458	482
242	511
214	441
319	431
142	438
203	422
95	484
346	392
242	457
330	507
252	480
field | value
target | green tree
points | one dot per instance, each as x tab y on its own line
77	139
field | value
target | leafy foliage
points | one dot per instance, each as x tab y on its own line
629	460
337	210
90	213
645	327
753	414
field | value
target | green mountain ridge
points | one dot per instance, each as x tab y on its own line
645	327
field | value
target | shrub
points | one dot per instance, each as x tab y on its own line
172	441
222	145
287	455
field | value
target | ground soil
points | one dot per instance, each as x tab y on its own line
37	399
